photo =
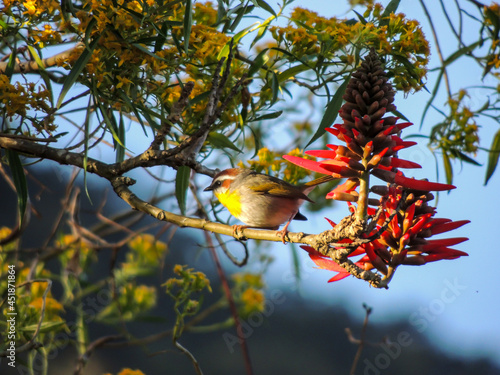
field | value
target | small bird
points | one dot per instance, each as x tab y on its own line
260	200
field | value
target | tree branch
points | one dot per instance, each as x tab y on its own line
33	67
324	242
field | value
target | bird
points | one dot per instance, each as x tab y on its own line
260	200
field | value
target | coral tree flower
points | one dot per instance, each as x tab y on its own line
369	143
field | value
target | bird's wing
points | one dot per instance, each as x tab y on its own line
280	190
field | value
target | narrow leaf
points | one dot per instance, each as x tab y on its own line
275	87
390	8
293	71
188	22
44	327
77	69
448	170
258	62
331	112
262	4
460	52
19	179
12	61
466	158
267	116
493	156
120	150
181	186
361	18
110	123
220	141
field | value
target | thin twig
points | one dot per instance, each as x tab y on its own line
438	48
362	340
83	359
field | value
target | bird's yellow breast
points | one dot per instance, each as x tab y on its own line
231	200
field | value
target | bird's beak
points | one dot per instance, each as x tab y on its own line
209	188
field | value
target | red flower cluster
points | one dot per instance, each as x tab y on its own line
400	236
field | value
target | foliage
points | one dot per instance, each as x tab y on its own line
119	88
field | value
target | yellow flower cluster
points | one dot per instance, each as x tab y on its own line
46	37
74	247
190	280
464	134
309	34
128	371
132	300
206	43
205	13
146	251
30	299
253	300
34	8
248	292
18	99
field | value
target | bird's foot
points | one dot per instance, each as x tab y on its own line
237	232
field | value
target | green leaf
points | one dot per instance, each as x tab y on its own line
293	71
12	61
361	18
78	67
400	115
433	96
275	87
463	157
181	186
460	52
188	22
19	179
86	145
260	34
147	51
240	11
44	327
110	122
267	116
447	168
331	112
262	4
493	156
256	139
127	101
258	62
408	65
120	150
224	52
220	141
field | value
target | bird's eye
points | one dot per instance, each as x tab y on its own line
217	184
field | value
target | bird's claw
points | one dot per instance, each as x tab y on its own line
237	232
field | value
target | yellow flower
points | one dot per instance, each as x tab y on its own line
30	6
127	371
123	81
253	300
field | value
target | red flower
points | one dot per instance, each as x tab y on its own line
370	145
